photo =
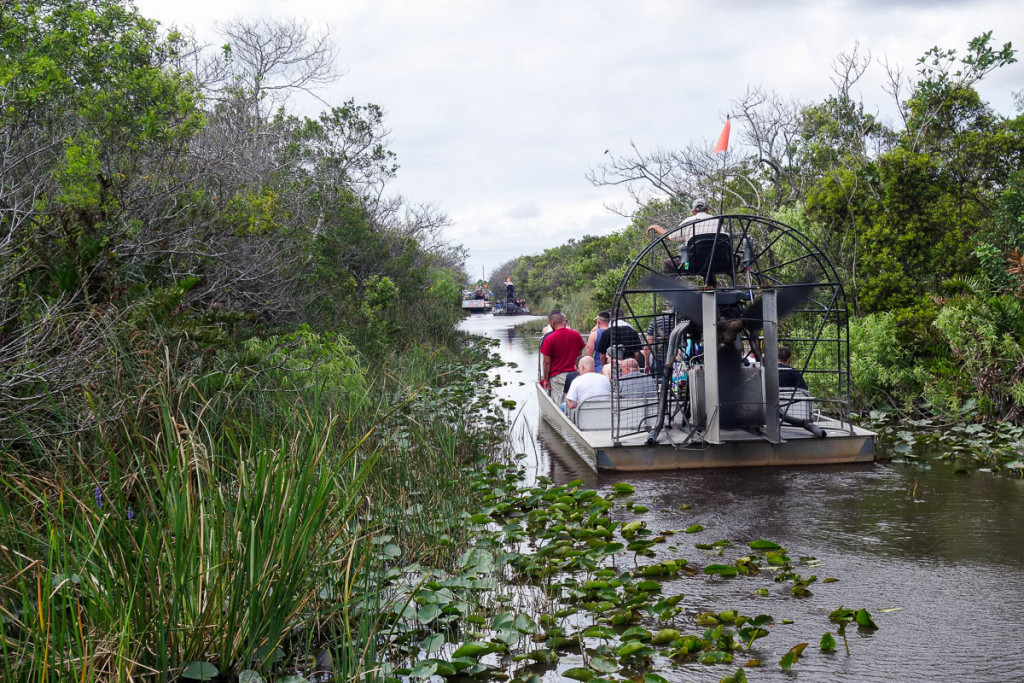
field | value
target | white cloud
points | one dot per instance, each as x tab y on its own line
530	210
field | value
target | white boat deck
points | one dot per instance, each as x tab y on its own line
844	443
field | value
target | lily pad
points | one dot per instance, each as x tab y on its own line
524	624
864	619
721	569
715	657
634	648
636	633
841	615
200	671
432	643
473	649
605	666
599	632
424	670
792	656
428	613
739	677
654	678
503	621
665	636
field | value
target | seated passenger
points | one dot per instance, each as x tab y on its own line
589	385
789	377
657	340
633	384
620	333
569	378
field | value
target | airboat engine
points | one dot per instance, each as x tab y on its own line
740	286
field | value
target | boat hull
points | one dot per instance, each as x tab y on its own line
476	305
739	448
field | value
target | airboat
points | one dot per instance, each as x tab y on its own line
476	301
711	303
511	306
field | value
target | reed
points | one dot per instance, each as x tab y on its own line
240	529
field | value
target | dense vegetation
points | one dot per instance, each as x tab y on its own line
213	395
924	220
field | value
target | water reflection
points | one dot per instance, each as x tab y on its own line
945	551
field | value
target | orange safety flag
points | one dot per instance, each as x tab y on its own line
723	139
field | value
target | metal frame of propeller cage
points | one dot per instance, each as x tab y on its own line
766	256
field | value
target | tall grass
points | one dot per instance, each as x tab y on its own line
233	528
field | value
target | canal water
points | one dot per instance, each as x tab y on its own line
937	558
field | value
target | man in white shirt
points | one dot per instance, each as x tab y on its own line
699	224
698	213
588	385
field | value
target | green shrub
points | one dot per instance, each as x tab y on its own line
985	335
880	365
303	360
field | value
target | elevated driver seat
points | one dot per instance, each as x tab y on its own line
706	255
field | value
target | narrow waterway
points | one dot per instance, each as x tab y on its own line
936	557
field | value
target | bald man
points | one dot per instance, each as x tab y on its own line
589	385
632	384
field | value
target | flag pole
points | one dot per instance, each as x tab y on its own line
723	146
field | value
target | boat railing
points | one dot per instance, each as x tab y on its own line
596	414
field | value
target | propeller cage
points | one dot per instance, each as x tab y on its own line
749	264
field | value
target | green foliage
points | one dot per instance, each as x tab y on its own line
915	240
882	368
378	295
305	360
992	267
231	527
254	211
984	332
942	78
902	221
1008	232
78	175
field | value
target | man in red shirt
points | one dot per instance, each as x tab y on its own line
560	350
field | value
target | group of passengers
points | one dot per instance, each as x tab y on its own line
575	370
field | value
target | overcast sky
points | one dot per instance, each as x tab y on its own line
498	109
